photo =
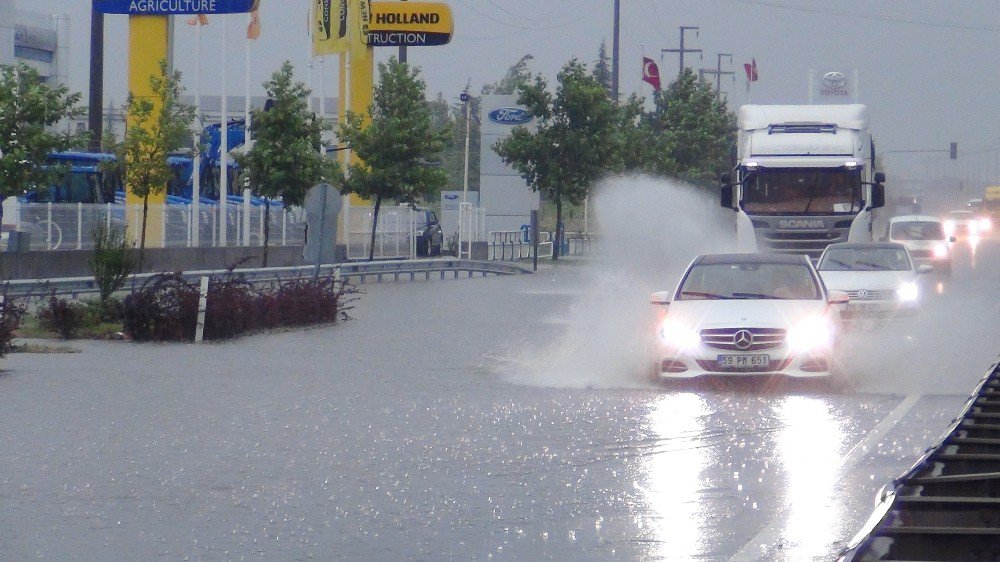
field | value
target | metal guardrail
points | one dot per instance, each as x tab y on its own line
947	506
409	270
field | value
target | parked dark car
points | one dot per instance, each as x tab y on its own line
429	234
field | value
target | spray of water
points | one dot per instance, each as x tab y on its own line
651	229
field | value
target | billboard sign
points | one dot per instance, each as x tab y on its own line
510	116
833	86
172	7
410	24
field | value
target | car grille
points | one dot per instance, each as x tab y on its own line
864	295
725	338
773	366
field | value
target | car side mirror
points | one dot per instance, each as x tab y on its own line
726	179
878	192
879	177
952	239
924	269
726	196
838	297
661	298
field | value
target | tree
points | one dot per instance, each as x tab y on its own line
156	127
284	160
399	147
695	128
574	142
443	115
602	68
29	108
517	76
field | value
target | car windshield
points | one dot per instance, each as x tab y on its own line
749	280
865	259
817	191
916	230
960	215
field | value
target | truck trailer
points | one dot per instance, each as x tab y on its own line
803	178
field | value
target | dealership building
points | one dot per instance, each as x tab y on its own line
40	41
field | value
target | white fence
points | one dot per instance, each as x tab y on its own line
70	226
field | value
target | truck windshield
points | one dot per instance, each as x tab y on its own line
802	191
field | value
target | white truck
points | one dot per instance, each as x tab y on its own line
804	178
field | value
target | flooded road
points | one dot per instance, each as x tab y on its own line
439	423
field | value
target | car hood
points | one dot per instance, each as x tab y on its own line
871	280
753	313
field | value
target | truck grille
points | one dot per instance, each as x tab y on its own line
725	338
807	242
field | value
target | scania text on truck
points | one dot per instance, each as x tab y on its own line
804	178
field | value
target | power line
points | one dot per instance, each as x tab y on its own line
875	17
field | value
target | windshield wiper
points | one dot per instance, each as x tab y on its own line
703	295
755	296
846	266
876	266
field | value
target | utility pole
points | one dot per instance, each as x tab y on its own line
718	72
682	50
95	119
614	53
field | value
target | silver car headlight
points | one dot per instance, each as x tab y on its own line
678	334
908	292
815	332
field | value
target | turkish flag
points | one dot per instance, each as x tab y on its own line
650	73
751	69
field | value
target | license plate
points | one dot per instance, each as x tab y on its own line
862	307
740	361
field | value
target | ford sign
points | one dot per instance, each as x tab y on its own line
510	116
451	196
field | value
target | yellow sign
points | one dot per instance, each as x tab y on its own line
405	24
334	28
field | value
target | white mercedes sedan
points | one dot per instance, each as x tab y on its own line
880	278
747	314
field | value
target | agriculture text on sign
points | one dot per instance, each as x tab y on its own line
409	24
168	7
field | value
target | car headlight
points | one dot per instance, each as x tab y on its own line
811	334
973	227
949	227
940	251
985	224
908	292
678	334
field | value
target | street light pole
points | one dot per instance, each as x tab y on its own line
465	180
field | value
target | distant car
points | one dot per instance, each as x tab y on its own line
880	278
925	238
962	224
742	314
429	235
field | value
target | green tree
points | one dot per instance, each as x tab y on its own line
517	76
694	128
156	126
444	115
29	109
399	147
602	68
284	160
574	143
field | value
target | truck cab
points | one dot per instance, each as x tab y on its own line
803	178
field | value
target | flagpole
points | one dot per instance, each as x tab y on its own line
196	170
224	148
246	84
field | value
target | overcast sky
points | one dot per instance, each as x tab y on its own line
927	67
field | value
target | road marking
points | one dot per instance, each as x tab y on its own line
755	548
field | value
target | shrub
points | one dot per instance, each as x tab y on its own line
114	259
164	308
62	317
11	311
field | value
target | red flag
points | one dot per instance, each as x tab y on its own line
650	73
751	69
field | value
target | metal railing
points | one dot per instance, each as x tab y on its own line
947	506
516	244
362	272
